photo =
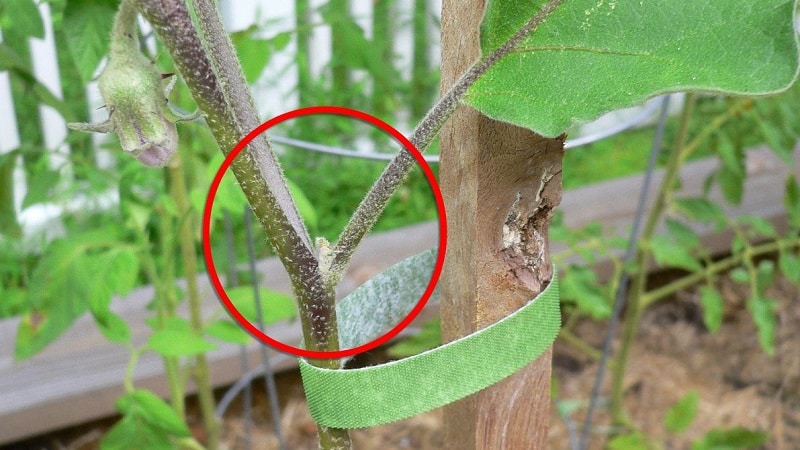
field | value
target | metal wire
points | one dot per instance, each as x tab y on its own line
269	376
619	302
233	280
648	110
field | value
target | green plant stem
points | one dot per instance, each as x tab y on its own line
162	280
373	204
637	292
188	252
718	267
570	338
213	74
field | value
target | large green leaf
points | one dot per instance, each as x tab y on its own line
594	56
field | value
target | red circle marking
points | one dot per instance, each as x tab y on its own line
212	270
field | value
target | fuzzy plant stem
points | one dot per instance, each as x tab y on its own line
213	75
211	70
373	204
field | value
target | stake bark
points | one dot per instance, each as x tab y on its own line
500	184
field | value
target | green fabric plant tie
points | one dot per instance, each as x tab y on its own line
365	397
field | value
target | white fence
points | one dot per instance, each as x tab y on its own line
280	76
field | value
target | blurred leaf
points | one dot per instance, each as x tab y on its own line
304	206
227	331
670	254
591	57
154	411
112	326
275	306
760	227
87	26
580	285
732	157
765	276
789	265
253	53
635	441
731	184
777	141
682	413
762	310
740	275
702	210
683	234
62	287
40	185
21	17
10	60
430	336
712	307
791	201
357	50
173	342
733	439
129	433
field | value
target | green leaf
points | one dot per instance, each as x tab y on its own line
253	53
765	275
762	310
759	227
712	307
732	157
589	57
63	286
683	234
227	331
130	433
275	306
21	17
112	326
175	342
731	183
154	411
791	201
87	26
430	336
634	441
304	206
701	209
682	413
580	285
776	140
740	275
733	439
386	299
668	253
789	265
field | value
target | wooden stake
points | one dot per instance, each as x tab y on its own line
500	184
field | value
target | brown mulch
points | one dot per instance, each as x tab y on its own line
738	385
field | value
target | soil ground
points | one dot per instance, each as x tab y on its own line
738	385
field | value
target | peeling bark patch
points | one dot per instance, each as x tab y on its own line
524	237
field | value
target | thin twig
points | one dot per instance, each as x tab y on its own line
396	172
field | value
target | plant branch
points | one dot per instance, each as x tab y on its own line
189	260
396	172
213	75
